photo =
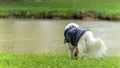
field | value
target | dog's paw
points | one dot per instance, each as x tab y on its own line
84	57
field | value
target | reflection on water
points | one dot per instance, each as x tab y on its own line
31	36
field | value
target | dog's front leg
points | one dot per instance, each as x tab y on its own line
71	50
76	53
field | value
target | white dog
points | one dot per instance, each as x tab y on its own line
82	41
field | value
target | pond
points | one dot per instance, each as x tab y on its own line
41	35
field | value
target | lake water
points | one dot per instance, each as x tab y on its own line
41	36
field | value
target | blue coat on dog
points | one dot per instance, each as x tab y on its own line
73	34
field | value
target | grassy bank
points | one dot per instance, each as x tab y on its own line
68	9
10	60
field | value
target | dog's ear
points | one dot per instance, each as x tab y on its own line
65	41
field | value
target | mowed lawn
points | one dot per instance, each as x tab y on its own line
12	60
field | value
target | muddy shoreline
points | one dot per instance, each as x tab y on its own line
90	15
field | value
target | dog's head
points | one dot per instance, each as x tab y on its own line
70	25
67	28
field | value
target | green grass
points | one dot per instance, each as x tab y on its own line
11	60
61	7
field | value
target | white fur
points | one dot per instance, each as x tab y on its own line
87	44
71	24
92	46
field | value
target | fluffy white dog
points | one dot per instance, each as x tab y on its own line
82	41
